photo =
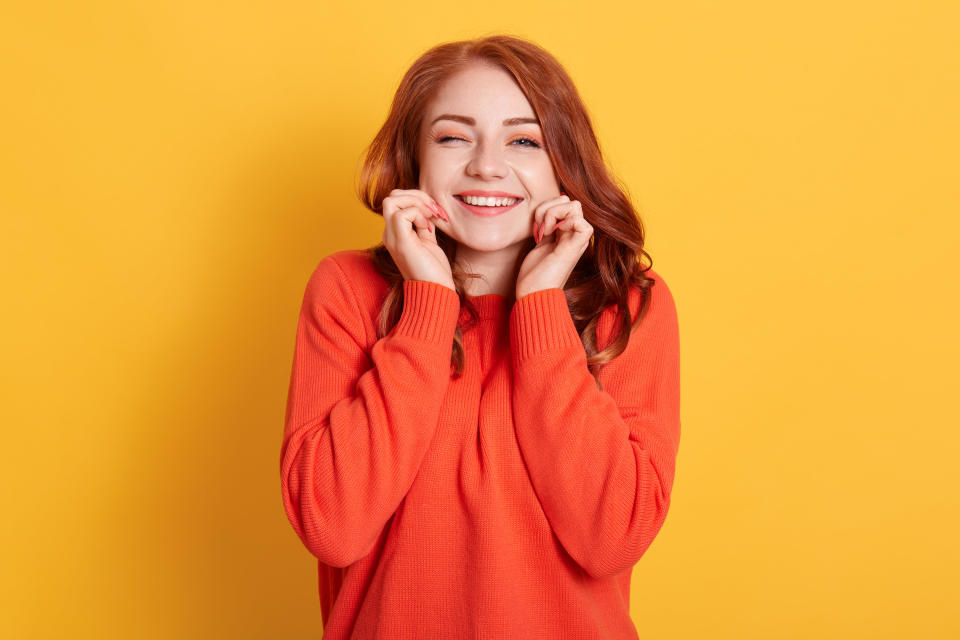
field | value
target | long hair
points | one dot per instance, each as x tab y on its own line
612	263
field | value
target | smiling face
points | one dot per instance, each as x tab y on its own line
480	137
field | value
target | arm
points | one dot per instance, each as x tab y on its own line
601	462
358	424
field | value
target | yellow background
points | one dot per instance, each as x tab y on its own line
172	171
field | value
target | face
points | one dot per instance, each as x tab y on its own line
480	137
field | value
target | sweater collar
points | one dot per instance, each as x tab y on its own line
491	304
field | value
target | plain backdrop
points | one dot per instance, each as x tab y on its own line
172	172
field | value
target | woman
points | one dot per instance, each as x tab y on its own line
483	416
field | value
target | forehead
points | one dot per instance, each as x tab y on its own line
484	92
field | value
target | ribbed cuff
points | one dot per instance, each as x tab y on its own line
541	322
430	312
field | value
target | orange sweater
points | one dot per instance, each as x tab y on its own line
512	502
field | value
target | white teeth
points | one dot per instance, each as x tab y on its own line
488	202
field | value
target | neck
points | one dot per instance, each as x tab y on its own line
498	269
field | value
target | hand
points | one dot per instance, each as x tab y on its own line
563	237
414	248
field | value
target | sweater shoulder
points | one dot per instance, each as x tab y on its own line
348	280
662	305
355	268
660	315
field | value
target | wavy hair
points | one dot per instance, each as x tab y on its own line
612	263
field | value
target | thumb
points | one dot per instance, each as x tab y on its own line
428	234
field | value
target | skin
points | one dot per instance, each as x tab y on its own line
487	155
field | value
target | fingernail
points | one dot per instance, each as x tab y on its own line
535	230
443	213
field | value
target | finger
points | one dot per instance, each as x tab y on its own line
410	224
428	234
541	209
399	217
392	204
560	212
413	217
410	220
424	197
572	237
421	229
576	224
540	213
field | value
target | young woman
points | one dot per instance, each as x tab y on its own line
483	416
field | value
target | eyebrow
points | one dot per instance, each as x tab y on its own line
509	122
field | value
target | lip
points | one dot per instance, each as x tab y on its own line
487	212
488	194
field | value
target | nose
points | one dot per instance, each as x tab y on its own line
487	162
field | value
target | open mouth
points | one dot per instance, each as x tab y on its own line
492	202
489	206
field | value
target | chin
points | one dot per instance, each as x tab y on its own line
478	242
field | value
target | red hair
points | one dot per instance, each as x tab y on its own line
609	268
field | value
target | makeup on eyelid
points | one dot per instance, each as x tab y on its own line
528	141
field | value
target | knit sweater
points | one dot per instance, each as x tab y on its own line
511	502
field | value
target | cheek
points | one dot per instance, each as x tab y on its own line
438	166
538	178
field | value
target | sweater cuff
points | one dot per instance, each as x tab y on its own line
430	312
540	322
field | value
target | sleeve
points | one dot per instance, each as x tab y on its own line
601	462
359	421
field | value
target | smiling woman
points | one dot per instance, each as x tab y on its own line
499	116
483	414
485	141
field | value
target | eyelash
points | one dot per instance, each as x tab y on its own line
533	143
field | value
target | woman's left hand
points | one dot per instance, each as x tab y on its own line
563	237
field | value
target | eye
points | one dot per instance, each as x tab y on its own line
532	143
523	142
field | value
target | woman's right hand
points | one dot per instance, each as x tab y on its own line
414	248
